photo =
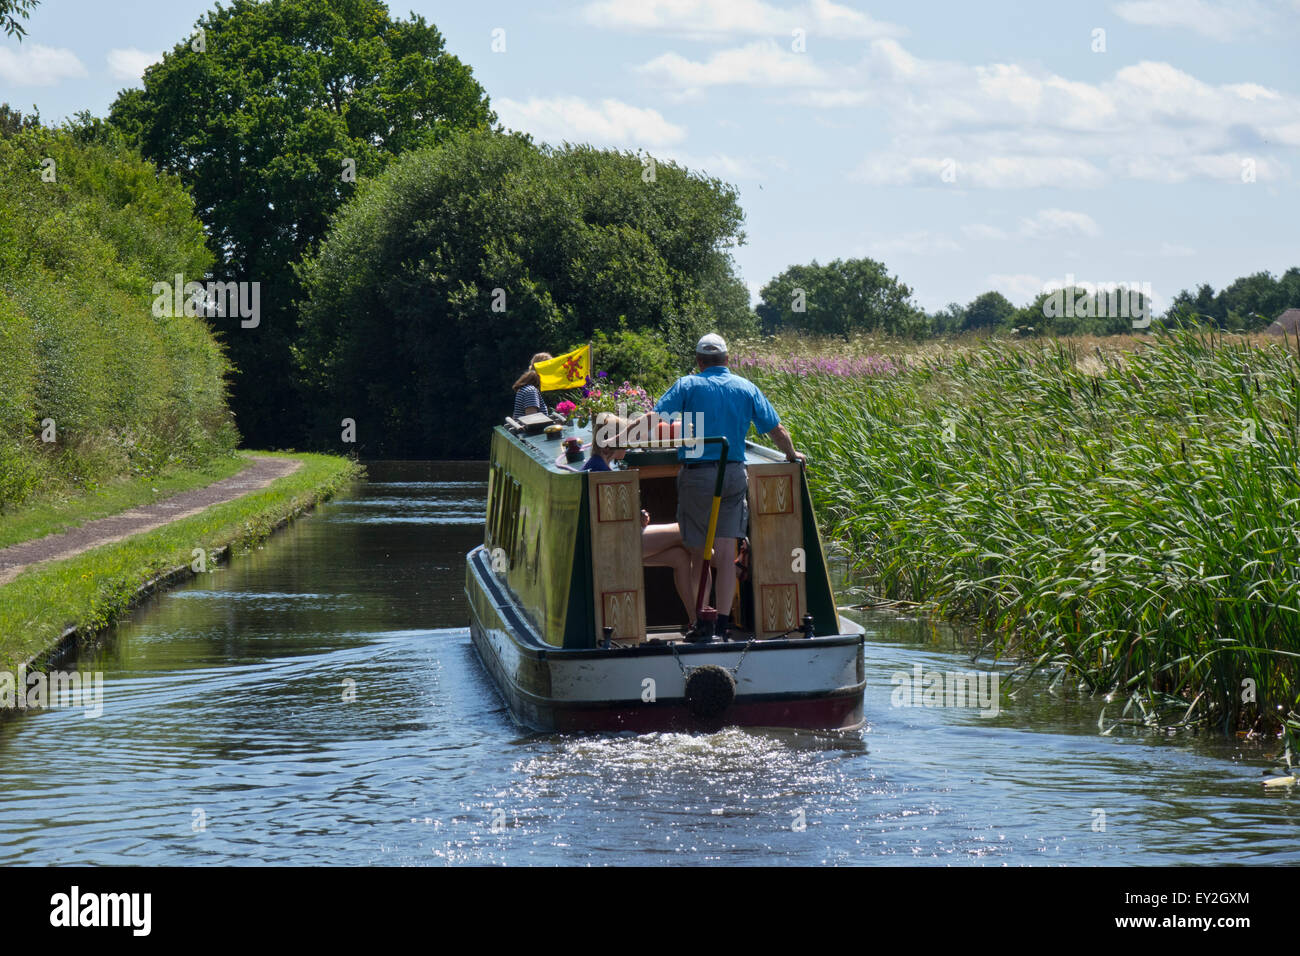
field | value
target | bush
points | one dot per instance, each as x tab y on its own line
444	274
639	357
82	357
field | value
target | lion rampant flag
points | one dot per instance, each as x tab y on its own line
570	370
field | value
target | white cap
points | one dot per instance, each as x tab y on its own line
711	344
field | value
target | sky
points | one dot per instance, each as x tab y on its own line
967	146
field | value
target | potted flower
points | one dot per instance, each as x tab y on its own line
627	400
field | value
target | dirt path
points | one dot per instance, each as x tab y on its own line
261	472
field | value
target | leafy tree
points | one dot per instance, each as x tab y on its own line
987	311
439	281
638	357
840	298
1253	302
270	113
10	11
951	318
1250	302
13	122
1078	311
728	299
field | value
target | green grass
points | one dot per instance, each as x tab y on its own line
94	588
36	520
1103	516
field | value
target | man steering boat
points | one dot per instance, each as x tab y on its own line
725	405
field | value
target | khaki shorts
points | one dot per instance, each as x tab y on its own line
695	498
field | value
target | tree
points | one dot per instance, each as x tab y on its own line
1249	303
1204	303
271	113
13	122
1082	311
440	279
8	20
1253	302
987	311
728	300
840	298
951	318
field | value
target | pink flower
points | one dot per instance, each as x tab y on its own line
564	408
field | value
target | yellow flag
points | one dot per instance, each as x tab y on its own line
570	370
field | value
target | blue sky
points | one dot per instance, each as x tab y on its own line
968	146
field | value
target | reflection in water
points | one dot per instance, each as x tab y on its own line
318	702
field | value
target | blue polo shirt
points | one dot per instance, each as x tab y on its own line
728	403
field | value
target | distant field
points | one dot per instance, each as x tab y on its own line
1125	510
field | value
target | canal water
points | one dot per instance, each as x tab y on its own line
318	701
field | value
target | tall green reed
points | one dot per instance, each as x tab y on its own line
1133	522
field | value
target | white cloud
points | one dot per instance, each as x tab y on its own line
758	64
607	123
919	243
1020	287
1051	222
720	165
1224	167
727	18
986	172
129	64
1288	135
1218	21
981	232
1011	125
831	99
1008	125
38	65
1044	224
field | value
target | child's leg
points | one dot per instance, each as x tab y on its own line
662	546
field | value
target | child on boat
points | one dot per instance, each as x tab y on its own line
528	394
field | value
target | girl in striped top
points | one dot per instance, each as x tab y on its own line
528	396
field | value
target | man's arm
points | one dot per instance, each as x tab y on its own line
764	414
783	442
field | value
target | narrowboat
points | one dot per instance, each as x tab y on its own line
579	636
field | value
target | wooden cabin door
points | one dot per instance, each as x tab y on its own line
777	560
618	577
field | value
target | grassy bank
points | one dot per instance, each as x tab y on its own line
93	385
1130	519
92	589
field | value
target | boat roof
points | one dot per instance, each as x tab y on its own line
549	452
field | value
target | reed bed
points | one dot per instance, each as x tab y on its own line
1128	519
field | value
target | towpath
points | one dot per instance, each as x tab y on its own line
259	473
